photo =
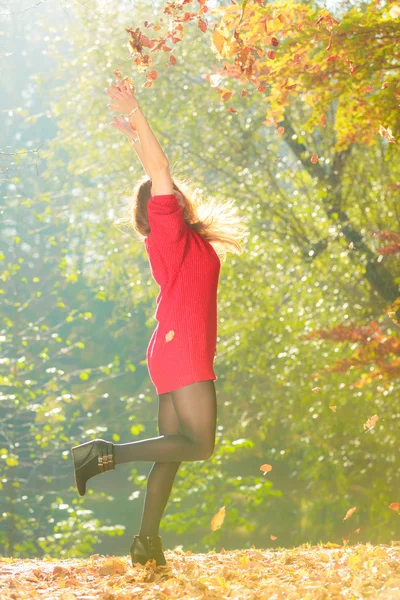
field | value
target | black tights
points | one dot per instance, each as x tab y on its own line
187	422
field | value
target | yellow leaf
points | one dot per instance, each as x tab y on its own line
218	519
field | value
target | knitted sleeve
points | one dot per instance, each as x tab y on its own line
166	220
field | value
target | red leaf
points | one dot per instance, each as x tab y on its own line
244	93
271	54
274	41
262	88
148	84
232	110
281	130
202	25
152	74
331	58
323	120
172	59
314	159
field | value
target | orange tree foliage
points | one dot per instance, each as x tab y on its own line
289	50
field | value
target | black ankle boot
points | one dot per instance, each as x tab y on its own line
90	459
147	547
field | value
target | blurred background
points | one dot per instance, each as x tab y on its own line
308	355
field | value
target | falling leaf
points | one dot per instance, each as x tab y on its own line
202	25
357	530
218	519
265	468
314	159
350	512
148	84
152	74
262	88
243	94
395	506
333	408
271	54
224	94
281	130
273	537
371	422
386	133
232	110
169	336
316	389
172	59
351	245
215	79
274	41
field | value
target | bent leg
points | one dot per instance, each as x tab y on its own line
196	407
162	474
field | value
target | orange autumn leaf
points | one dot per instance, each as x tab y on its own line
243	94
314	159
218	519
395	506
172	60
316	389
265	468
224	94
281	130
371	422
152	74
273	537
202	25
262	88
350	512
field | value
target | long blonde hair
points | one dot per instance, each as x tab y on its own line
215	221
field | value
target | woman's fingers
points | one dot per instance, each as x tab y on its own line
113	106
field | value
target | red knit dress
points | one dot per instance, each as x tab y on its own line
182	347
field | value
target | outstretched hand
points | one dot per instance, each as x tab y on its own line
123	95
124	126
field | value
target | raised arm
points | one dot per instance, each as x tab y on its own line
148	149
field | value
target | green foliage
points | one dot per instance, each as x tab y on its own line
78	304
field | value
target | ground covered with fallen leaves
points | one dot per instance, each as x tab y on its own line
307	572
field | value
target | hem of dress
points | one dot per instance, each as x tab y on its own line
184	383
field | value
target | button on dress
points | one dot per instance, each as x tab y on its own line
182	348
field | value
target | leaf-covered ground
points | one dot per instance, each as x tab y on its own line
317	572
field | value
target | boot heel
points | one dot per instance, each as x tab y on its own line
147	547
90	459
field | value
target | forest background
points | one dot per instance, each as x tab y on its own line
301	128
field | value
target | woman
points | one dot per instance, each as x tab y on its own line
181	351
